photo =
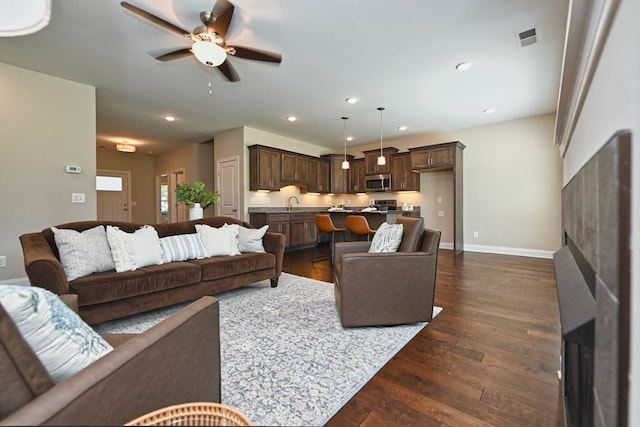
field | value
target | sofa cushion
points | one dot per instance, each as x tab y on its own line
412	231
182	247
111	286
220	267
221	241
83	253
60	339
250	239
134	250
386	238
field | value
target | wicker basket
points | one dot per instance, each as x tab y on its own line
193	414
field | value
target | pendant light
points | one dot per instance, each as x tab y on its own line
381	160
345	162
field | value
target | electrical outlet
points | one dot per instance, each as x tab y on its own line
3	261
440	213
439	199
475	235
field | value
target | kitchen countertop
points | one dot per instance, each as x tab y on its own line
319	209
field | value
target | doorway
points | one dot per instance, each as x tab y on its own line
229	187
113	189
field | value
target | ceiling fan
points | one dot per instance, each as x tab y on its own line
208	40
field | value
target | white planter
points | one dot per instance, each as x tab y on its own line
196	212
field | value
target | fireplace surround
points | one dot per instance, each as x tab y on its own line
593	279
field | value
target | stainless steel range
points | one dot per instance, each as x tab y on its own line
386	205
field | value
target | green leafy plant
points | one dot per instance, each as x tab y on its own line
192	193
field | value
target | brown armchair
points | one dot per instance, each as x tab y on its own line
375	289
175	361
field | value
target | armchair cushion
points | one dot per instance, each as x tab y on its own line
59	338
387	238
412	231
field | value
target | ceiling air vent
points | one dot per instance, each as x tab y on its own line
528	37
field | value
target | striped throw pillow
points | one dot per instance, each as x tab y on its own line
182	247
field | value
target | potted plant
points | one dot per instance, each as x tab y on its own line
195	197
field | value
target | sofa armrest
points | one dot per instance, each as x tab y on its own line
342	248
175	361
71	301
274	243
41	265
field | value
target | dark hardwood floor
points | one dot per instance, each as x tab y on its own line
489	359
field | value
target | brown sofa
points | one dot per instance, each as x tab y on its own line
111	295
376	289
176	361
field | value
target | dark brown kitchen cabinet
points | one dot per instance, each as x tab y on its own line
278	223
433	157
403	178
295	169
371	161
340	178
264	167
357	176
303	229
319	179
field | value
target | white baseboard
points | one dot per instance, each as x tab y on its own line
22	281
534	253
446	245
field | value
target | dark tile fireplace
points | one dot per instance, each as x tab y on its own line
593	279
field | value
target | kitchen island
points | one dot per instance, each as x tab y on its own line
299	227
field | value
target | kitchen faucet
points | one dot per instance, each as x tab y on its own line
289	202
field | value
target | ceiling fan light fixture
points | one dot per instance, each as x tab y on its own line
210	54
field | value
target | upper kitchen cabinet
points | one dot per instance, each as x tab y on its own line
295	169
404	179
340	178
371	166
435	157
319	176
357	176
264	167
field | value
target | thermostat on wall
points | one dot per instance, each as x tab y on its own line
73	169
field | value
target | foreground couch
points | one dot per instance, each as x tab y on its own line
175	361
110	295
380	289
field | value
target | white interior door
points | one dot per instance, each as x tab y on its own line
229	187
177	211
113	195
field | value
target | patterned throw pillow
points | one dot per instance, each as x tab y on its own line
83	253
131	251
250	240
63	342
387	238
182	247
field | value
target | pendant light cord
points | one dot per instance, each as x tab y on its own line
381	109
345	137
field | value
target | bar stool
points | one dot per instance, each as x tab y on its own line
358	224
324	224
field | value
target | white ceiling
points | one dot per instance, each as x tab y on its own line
399	54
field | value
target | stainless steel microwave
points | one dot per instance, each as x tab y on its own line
380	182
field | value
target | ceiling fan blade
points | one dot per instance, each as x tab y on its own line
176	54
159	21
221	15
229	71
258	55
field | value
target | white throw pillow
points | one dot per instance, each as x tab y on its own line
250	240
131	251
63	342
219	241
387	238
182	247
83	253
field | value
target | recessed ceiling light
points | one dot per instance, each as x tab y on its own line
463	66
351	100
489	110
170	118
402	128
349	138
292	118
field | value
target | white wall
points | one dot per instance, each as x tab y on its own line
613	103
49	123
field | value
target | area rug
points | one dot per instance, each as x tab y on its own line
285	358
